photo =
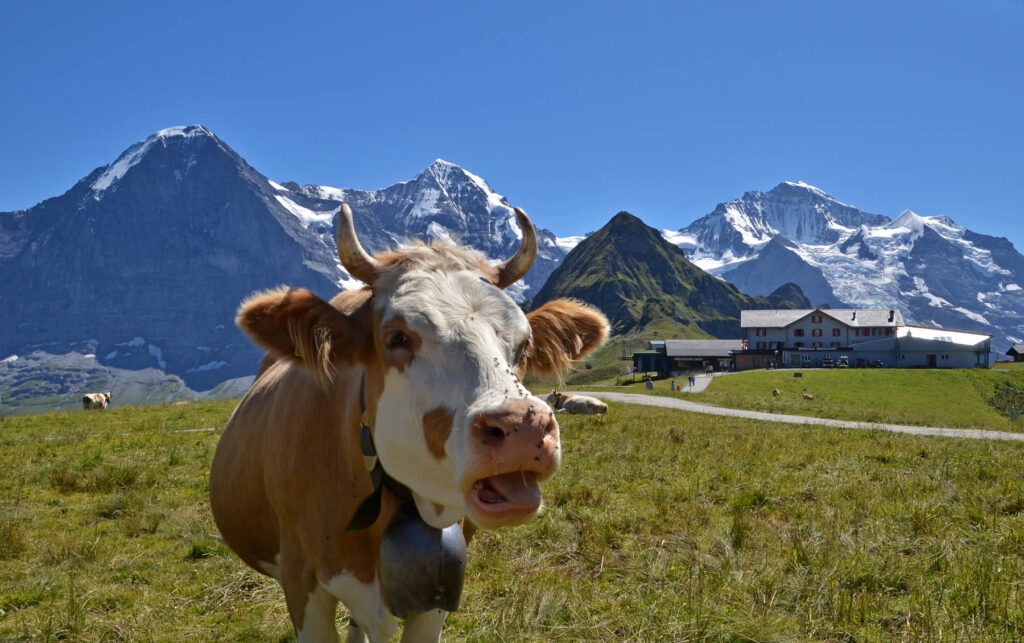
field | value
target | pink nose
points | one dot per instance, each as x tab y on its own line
518	435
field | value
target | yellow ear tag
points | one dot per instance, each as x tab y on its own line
298	351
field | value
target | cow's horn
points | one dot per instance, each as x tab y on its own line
518	264
358	263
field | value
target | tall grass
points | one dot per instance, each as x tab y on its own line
660	526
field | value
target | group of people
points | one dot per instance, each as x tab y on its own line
691	380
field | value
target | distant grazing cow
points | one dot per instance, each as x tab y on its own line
388	409
576	404
96	400
776	392
808	396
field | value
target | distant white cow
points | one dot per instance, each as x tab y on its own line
96	400
808	396
578	404
776	392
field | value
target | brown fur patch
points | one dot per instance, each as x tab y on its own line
563	332
437	426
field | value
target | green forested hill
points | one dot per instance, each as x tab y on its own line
641	281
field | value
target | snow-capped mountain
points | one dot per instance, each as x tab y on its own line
144	261
935	271
444	202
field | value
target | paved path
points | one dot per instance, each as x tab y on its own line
683	405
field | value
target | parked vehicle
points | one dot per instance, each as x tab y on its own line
827	361
844	362
860	363
877	363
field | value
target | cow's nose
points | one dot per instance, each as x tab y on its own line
522	434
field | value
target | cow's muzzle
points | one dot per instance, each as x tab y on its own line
515	447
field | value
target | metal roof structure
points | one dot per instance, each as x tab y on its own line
961	337
852	317
701	347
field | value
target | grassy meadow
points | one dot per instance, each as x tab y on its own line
661	526
955	398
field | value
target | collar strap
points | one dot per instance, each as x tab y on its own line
369	509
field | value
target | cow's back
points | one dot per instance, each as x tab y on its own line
583	405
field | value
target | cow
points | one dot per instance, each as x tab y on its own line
578	404
96	400
808	396
415	375
776	392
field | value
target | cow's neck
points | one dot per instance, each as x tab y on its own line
421	567
368	510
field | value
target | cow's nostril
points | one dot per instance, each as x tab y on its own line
493	432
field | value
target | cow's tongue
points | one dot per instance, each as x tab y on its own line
518	487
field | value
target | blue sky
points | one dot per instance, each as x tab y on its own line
573	110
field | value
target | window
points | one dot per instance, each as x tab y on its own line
760	346
836	332
888	331
834	344
873	331
798	332
815	319
856	332
761	332
799	344
816	332
816	345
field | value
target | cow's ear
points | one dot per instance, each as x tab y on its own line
299	326
563	332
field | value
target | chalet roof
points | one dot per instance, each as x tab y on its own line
1017	349
852	317
922	338
701	347
962	337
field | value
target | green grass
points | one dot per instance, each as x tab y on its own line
956	398
660	526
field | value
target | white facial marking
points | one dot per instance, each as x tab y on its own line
469	332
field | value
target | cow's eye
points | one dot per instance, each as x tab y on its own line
397	340
522	351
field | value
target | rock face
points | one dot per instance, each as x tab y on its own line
637	278
935	271
144	262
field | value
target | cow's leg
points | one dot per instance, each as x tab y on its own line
424	627
355	634
318	618
310	606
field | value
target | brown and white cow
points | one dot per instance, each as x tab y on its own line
96	400
577	404
442	348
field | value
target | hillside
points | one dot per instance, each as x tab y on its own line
641	281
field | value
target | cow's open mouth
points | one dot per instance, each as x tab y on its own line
506	497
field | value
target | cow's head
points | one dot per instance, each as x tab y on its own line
444	348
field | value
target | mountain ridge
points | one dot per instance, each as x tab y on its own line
936	271
637	279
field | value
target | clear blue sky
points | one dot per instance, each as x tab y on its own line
573	110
